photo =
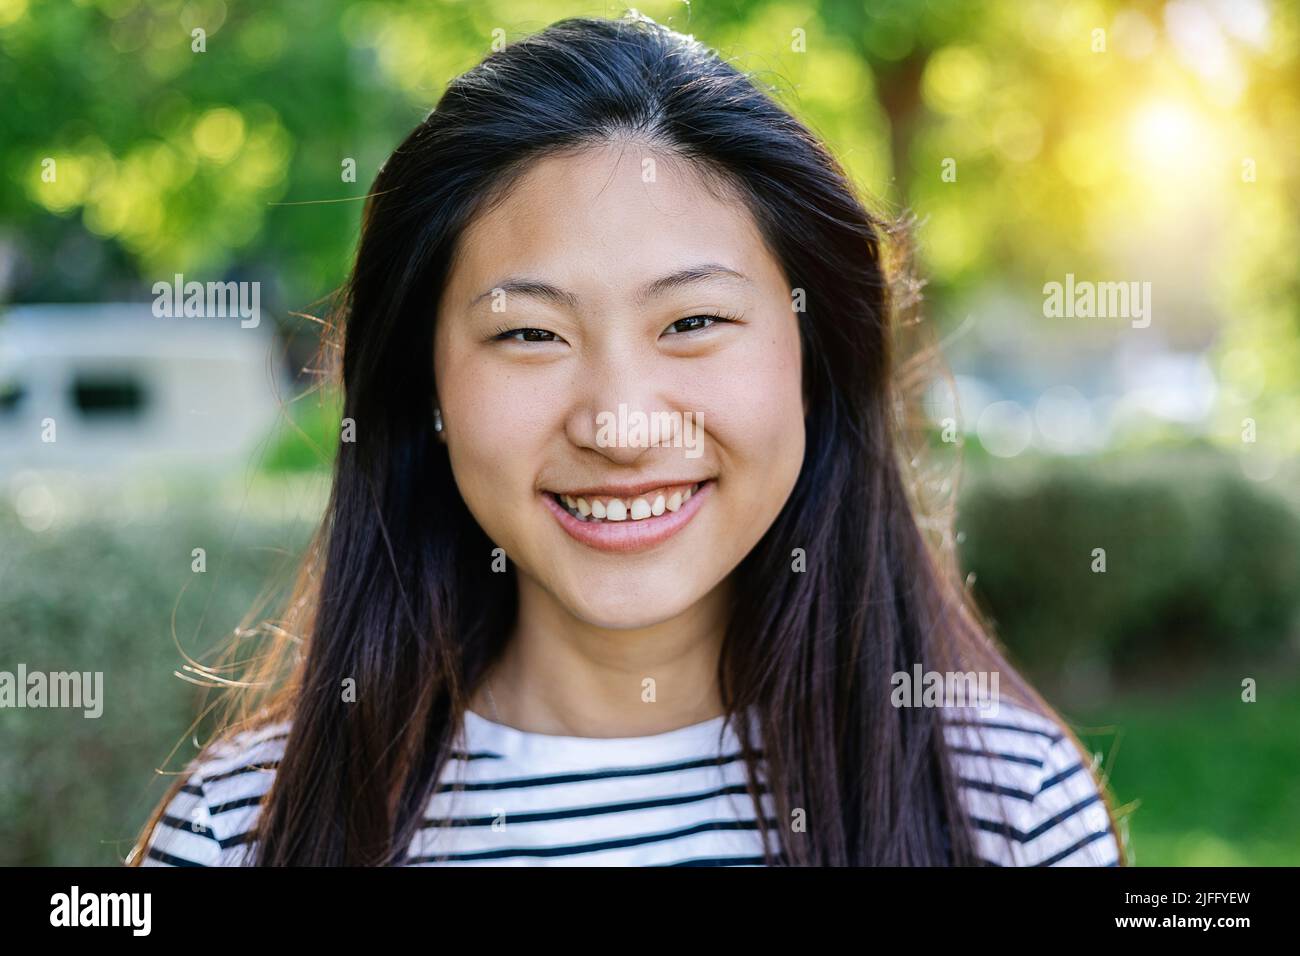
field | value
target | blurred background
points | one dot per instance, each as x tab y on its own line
1036	142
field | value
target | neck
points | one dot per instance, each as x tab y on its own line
560	675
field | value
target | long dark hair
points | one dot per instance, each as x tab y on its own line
396	592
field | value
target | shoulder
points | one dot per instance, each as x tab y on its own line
1030	789
207	821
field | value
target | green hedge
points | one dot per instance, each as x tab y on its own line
1200	561
99	596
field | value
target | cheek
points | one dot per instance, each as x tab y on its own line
492	413
754	414
755	408
495	421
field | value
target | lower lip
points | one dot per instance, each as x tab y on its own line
629	535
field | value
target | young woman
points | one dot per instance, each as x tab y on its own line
527	634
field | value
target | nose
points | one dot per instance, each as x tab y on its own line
618	394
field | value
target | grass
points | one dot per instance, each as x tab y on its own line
1210	780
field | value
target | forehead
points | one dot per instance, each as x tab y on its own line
607	219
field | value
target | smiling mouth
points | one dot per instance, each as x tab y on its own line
622	524
602	508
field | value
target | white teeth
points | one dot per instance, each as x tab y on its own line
619	509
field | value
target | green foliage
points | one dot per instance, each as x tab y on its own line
1199	561
101	597
230	160
306	438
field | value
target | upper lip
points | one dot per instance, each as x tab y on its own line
627	491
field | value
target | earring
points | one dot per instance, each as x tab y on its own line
437	419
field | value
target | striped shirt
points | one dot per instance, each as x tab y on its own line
510	797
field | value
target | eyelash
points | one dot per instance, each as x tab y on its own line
504	332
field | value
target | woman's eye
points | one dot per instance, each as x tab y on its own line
694	323
526	335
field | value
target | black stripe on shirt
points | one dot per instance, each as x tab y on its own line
236	840
573	813
1010	758
189	826
250	768
161	857
1005	791
1007	830
1079	845
576	849
1055	738
720	861
235	804
519	783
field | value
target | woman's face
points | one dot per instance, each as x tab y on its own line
571	361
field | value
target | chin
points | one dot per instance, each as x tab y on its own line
622	612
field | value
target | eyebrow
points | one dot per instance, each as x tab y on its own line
546	292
